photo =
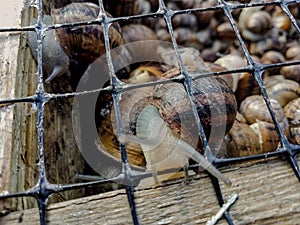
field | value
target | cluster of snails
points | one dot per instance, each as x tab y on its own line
269	36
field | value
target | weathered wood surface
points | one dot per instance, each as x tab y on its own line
18	137
269	193
9	43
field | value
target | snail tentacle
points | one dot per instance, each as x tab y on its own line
162	149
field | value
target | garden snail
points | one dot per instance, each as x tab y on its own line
241	140
78	43
84	42
55	60
281	89
292	112
162	122
254	23
244	84
253	131
256	113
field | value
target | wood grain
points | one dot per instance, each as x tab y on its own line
268	191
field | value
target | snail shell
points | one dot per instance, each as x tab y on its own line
118	8
293	52
244	84
254	108
280	19
241	140
55	60
254	23
185	20
292	112
281	89
267	135
84	42
139	33
272	57
291	72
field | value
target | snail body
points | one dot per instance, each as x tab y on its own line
55	60
165	111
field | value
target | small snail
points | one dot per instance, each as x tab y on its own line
241	140
255	111
281	89
244	84
79	43
55	60
253	132
254	23
139	33
292	112
84	42
272	57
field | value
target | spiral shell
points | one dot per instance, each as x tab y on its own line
254	23
292	112
241	140
140	34
85	42
267	135
254	108
281	89
244	84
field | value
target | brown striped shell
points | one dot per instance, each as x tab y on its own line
84	42
292	112
281	89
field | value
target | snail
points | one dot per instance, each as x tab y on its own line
291	72
254	23
292	112
244	84
241	140
55	60
281	89
272	57
78	43
253	132
139	33
85	42
160	119
255	111
118	8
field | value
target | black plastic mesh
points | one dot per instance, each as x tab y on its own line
44	189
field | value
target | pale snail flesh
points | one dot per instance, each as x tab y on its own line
55	60
153	134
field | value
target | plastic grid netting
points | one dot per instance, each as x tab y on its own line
44	189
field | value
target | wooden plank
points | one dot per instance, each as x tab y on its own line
268	192
9	42
18	139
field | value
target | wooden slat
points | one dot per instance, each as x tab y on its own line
268	193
